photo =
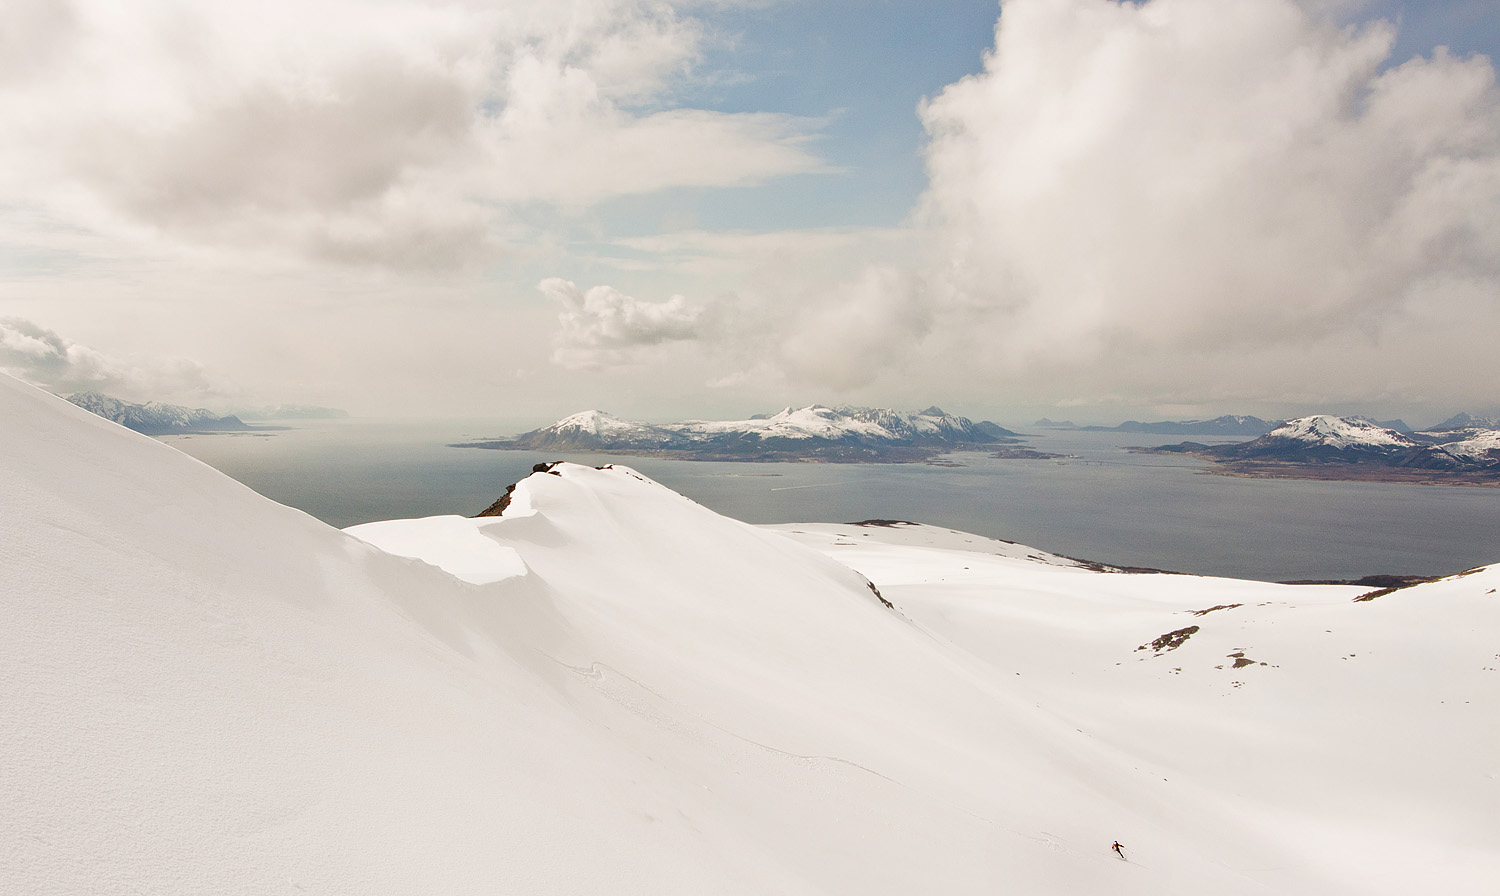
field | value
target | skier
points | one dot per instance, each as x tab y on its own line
1118	848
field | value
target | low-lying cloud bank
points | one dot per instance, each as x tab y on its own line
45	358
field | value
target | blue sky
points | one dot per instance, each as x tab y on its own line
679	208
862	66
1464	26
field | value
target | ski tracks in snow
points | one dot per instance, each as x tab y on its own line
668	713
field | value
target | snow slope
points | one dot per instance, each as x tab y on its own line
1359	739
610	689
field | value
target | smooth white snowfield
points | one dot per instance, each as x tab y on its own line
208	692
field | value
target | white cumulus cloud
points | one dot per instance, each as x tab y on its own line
603	327
1128	193
1226	203
406	136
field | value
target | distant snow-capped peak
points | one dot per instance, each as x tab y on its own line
1340	432
822	422
1464	421
596	423
813	424
596	429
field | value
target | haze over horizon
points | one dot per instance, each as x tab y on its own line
1080	208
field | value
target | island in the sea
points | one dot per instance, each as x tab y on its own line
810	434
1462	451
1227	425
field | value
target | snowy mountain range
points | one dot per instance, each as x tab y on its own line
810	433
610	689
154	418
1325	439
1467	421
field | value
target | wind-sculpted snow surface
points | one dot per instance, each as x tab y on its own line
610	689
1357	739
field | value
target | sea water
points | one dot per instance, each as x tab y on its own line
1100	502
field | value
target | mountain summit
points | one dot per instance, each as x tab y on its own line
1339	433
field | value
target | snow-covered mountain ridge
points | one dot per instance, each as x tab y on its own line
153	417
1340	432
1325	440
813	432
610	689
1466	421
1438	449
1481	447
